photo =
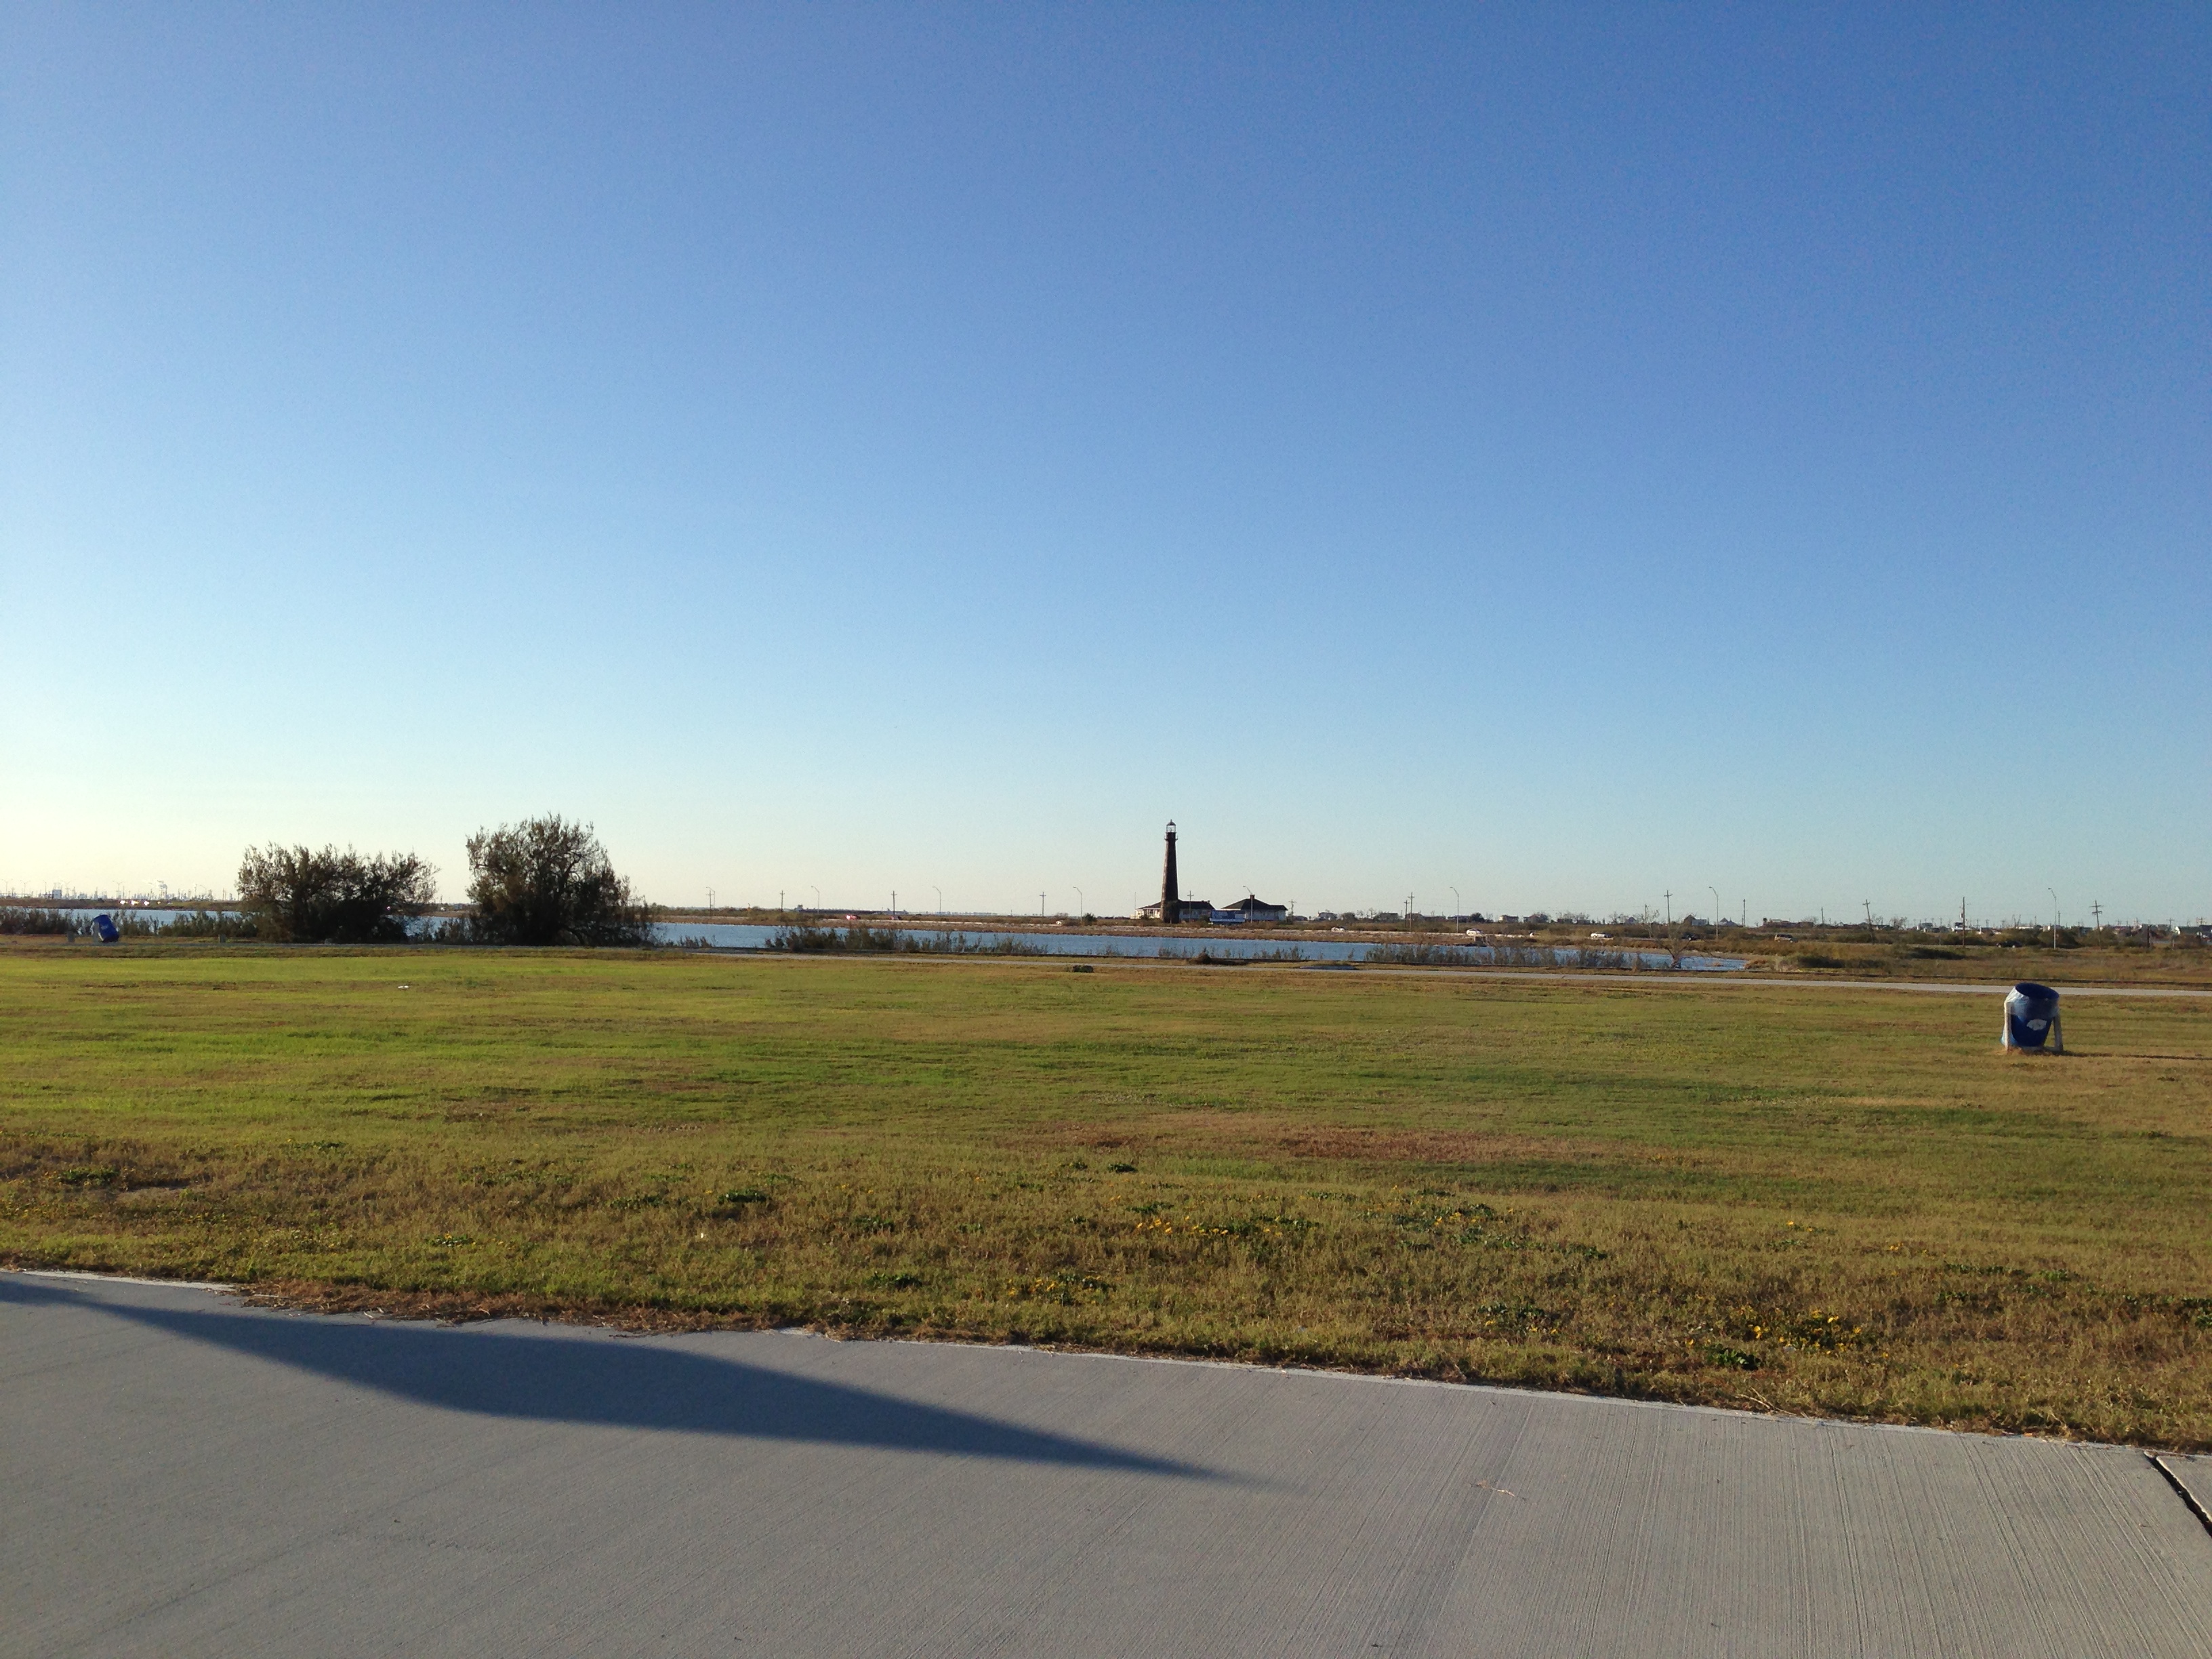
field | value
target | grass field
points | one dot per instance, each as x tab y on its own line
1778	1197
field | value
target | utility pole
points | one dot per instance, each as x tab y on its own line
2096	916
1869	910
1715	893
1458	904
893	904
1669	896
2054	916
1040	904
710	898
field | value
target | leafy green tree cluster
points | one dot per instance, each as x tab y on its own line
548	882
306	896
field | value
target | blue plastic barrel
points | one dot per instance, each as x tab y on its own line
104	926
2030	1018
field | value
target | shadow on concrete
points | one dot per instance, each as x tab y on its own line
593	1379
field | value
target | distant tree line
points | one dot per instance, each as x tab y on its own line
544	881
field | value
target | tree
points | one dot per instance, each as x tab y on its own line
549	882
297	894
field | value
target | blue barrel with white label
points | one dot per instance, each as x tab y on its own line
2030	1018
106	928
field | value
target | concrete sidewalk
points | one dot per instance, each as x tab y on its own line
182	1475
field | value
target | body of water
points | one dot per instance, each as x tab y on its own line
152	916
733	936
1226	945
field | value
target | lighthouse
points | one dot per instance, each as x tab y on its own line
1171	893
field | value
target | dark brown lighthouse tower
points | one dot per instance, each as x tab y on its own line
1171	893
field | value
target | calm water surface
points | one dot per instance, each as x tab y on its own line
748	936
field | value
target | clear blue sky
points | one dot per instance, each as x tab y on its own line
1558	453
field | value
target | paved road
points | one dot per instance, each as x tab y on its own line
182	1475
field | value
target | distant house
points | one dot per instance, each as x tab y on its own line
1193	910
1250	909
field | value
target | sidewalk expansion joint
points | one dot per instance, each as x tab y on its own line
2181	1491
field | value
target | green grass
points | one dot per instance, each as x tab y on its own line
1780	1196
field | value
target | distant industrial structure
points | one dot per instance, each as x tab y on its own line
1173	909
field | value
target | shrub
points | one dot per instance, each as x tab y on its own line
16	919
204	923
294	893
1505	956
548	882
862	938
